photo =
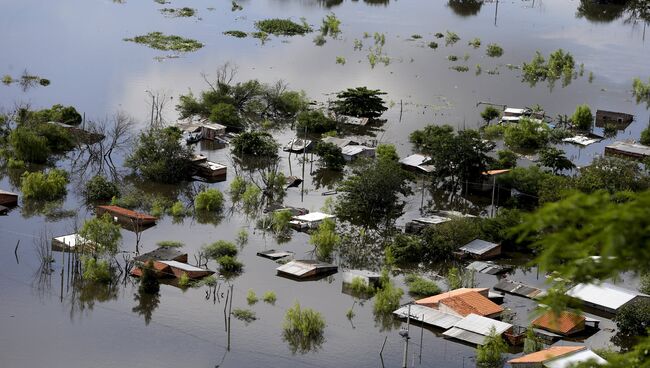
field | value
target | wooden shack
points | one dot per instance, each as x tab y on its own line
627	149
211	170
306	269
8	199
619	119
127	217
212	131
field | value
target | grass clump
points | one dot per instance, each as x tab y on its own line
460	68
170	244
340	60
209	200
269	297
46	186
494	50
416	36
475	43
419	286
262	36
361	289
439	35
451	38
242	238
452	58
251	298
433	45
179	12
284	27
219	249
303	328
245	315
641	90
230	264
331	25
160	41
235	33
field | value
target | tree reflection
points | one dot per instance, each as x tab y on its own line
147	303
86	294
604	11
465	8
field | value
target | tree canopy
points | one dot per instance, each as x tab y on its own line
360	102
160	156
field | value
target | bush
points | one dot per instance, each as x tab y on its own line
315	121
582	117
184	281
230	264
283	27
490	354
527	134
177	209
160	156
29	147
633	319
235	33
219	249
387	152
641	90
251	298
58	113
325	239
99	189
303	326
331	155
493	50
419	286
58	139
46	186
494	131
148	281
404	250
387	298
160	41
209	200
256	144
226	114
237	188
490	113
360	288
96	270
506	159
269	297
245	315
103	232
170	244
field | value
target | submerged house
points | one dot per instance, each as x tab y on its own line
428	316
474	329
556	357
564	323
127	217
632	150
8	199
297	145
619	119
369	278
463	302
353	152
162	254
340	142
480	249
309	221
212	131
418	163
72	243
306	269
211	170
170	269
605	297
517	288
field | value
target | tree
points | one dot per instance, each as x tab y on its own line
555	159
645	137
532	343
99	188
582	117
103	233
226	114
527	134
28	146
331	155
633	319
210	200
315	121
372	196
387	152
160	156
325	239
255	143
613	174
219	249
303	328
490	113
360	102
47	186
490	354
506	159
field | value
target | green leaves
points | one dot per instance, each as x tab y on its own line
360	102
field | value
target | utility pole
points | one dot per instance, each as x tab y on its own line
405	335
494	179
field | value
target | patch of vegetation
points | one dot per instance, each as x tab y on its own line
178	12
360	288
358	44
210	199
245	315
475	43
559	65
340	60
325	239
527	134
160	41
451	38
242	238
160	156
269	297
491	353
95	270
506	159
331	26
148	281
251	298
303	328
184	281
641	90
256	143
387	298
262	36
582	117
219	249
460	68
98	188
330	156
319	40
177	209
228	264
104	233
314	121
494	50
419	286
284	27
416	36
432	45
235	33
490	113
452	58
170	244
360	102
44	186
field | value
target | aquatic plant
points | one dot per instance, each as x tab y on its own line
178	12
170	244
7	79
419	286
284	27
325	239
416	36
475	43
245	315
98	188
433	45
210	199
251	199
219	249
262	36
452	58
269	297
358	44
319	40
493	50
44	186
559	65
242	238
303	329
236	33
640	90
251	298
160	41
439	35
451	38
460	68
237	188
350	314
331	26
340	60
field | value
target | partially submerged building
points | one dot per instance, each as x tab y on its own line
212	131
128	217
474	329
619	119
556	357
275	254
564	323
310	220
428	316
8	199
162	254
211	170
489	268
480	249
517	288
418	163
369	278
171	269
627	149
306	269
353	152
72	243
463	302
605	297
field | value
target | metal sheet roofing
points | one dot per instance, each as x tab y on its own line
72	240
460	334
339	142
606	295
485	267
353	150
481	325
274	254
634	148
313	217
160	254
581	140
182	266
517	288
432	220
428	316
512	110
302	267
478	246
415	160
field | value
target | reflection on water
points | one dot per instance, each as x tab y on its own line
605	11
86	294
147	303
465	8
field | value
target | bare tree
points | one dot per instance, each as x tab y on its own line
159	100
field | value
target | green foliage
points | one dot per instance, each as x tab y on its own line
178	209
179	12
433	45
230	264
303	328
644	283
532	343
280	222
387	298
331	25
582	117
210	199
641	90
219	249
170	244
47	186
331	155
184	281
460	68
251	198
405	249
475	43
325	239
451	38
490	113
237	188
148	281
494	50
372	196
633	319
245	315
284	27
159	156
269	297
419	286
490	354
251	298
235	33
242	237
96	270
387	152
257	143
559	65
555	159
506	159
160	41
103	232
360	102
527	134
360	288
28	146
612	174
262	36
315	121
494	131
58	113
226	114
645	137
98	188
442	240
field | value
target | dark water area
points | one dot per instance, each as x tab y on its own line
79	46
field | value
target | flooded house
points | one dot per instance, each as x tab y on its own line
162	254
417	163
605	297
369	278
340	142
306	269
427	316
564	323
353	152
351	120
309	221
620	120
583	139
474	329
488	267
480	249
171	269
127	217
212	131
417	225
297	145
8	199
72	243
517	288
627	149
463	302
275	254
211	170
556	357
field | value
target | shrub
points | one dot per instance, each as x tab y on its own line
230	264
242	237
442	240
527	134
251	298
104	232
490	113
46	186
160	156
184	281
160	41
494	50
387	152
645	137
490	354
303	325
404	250
433	45
234	33
325	239
245	315
177	209
331	25
269	297
331	156
280	221
209	200
28	146
506	159
98	188
532	343
251	198
633	319
475	43
360	288
451	38
387	298
170	244
96	270
256	144
237	188
419	286
641	90
315	121
494	131
148	281
283	27
219	249
582	117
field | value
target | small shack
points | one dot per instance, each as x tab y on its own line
517	288
488	268
619	119
72	243
416	226
306	269
369	278
211	170
355	121
127	217
474	329
480	249
583	139
162	254
605	297
339	142
351	153
418	163
627	149
556	357
275	254
8	199
167	269
428	316
309	221
212	131
564	323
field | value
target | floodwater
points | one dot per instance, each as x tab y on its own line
78	46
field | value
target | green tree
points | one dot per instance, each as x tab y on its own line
226	114
210	199
325	239
645	137
104	233
160	156
360	102
490	113
527	134
555	159
46	186
219	249
255	143
315	121
532	343
372	196
98	188
612	174
506	159
633	319
404	250
490	354
28	146
387	152
582	117
331	155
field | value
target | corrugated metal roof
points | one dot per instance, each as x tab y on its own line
313	217
415	160
274	254
432	220
182	266
481	325
160	254
353	150
428	316
460	334
606	295
634	148
512	110
302	267
581	140
485	267
577	357
517	288
72	240
478	246
339	142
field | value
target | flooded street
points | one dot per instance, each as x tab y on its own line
78	45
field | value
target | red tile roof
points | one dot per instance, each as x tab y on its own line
433	301
563	323
128	213
544	355
472	302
